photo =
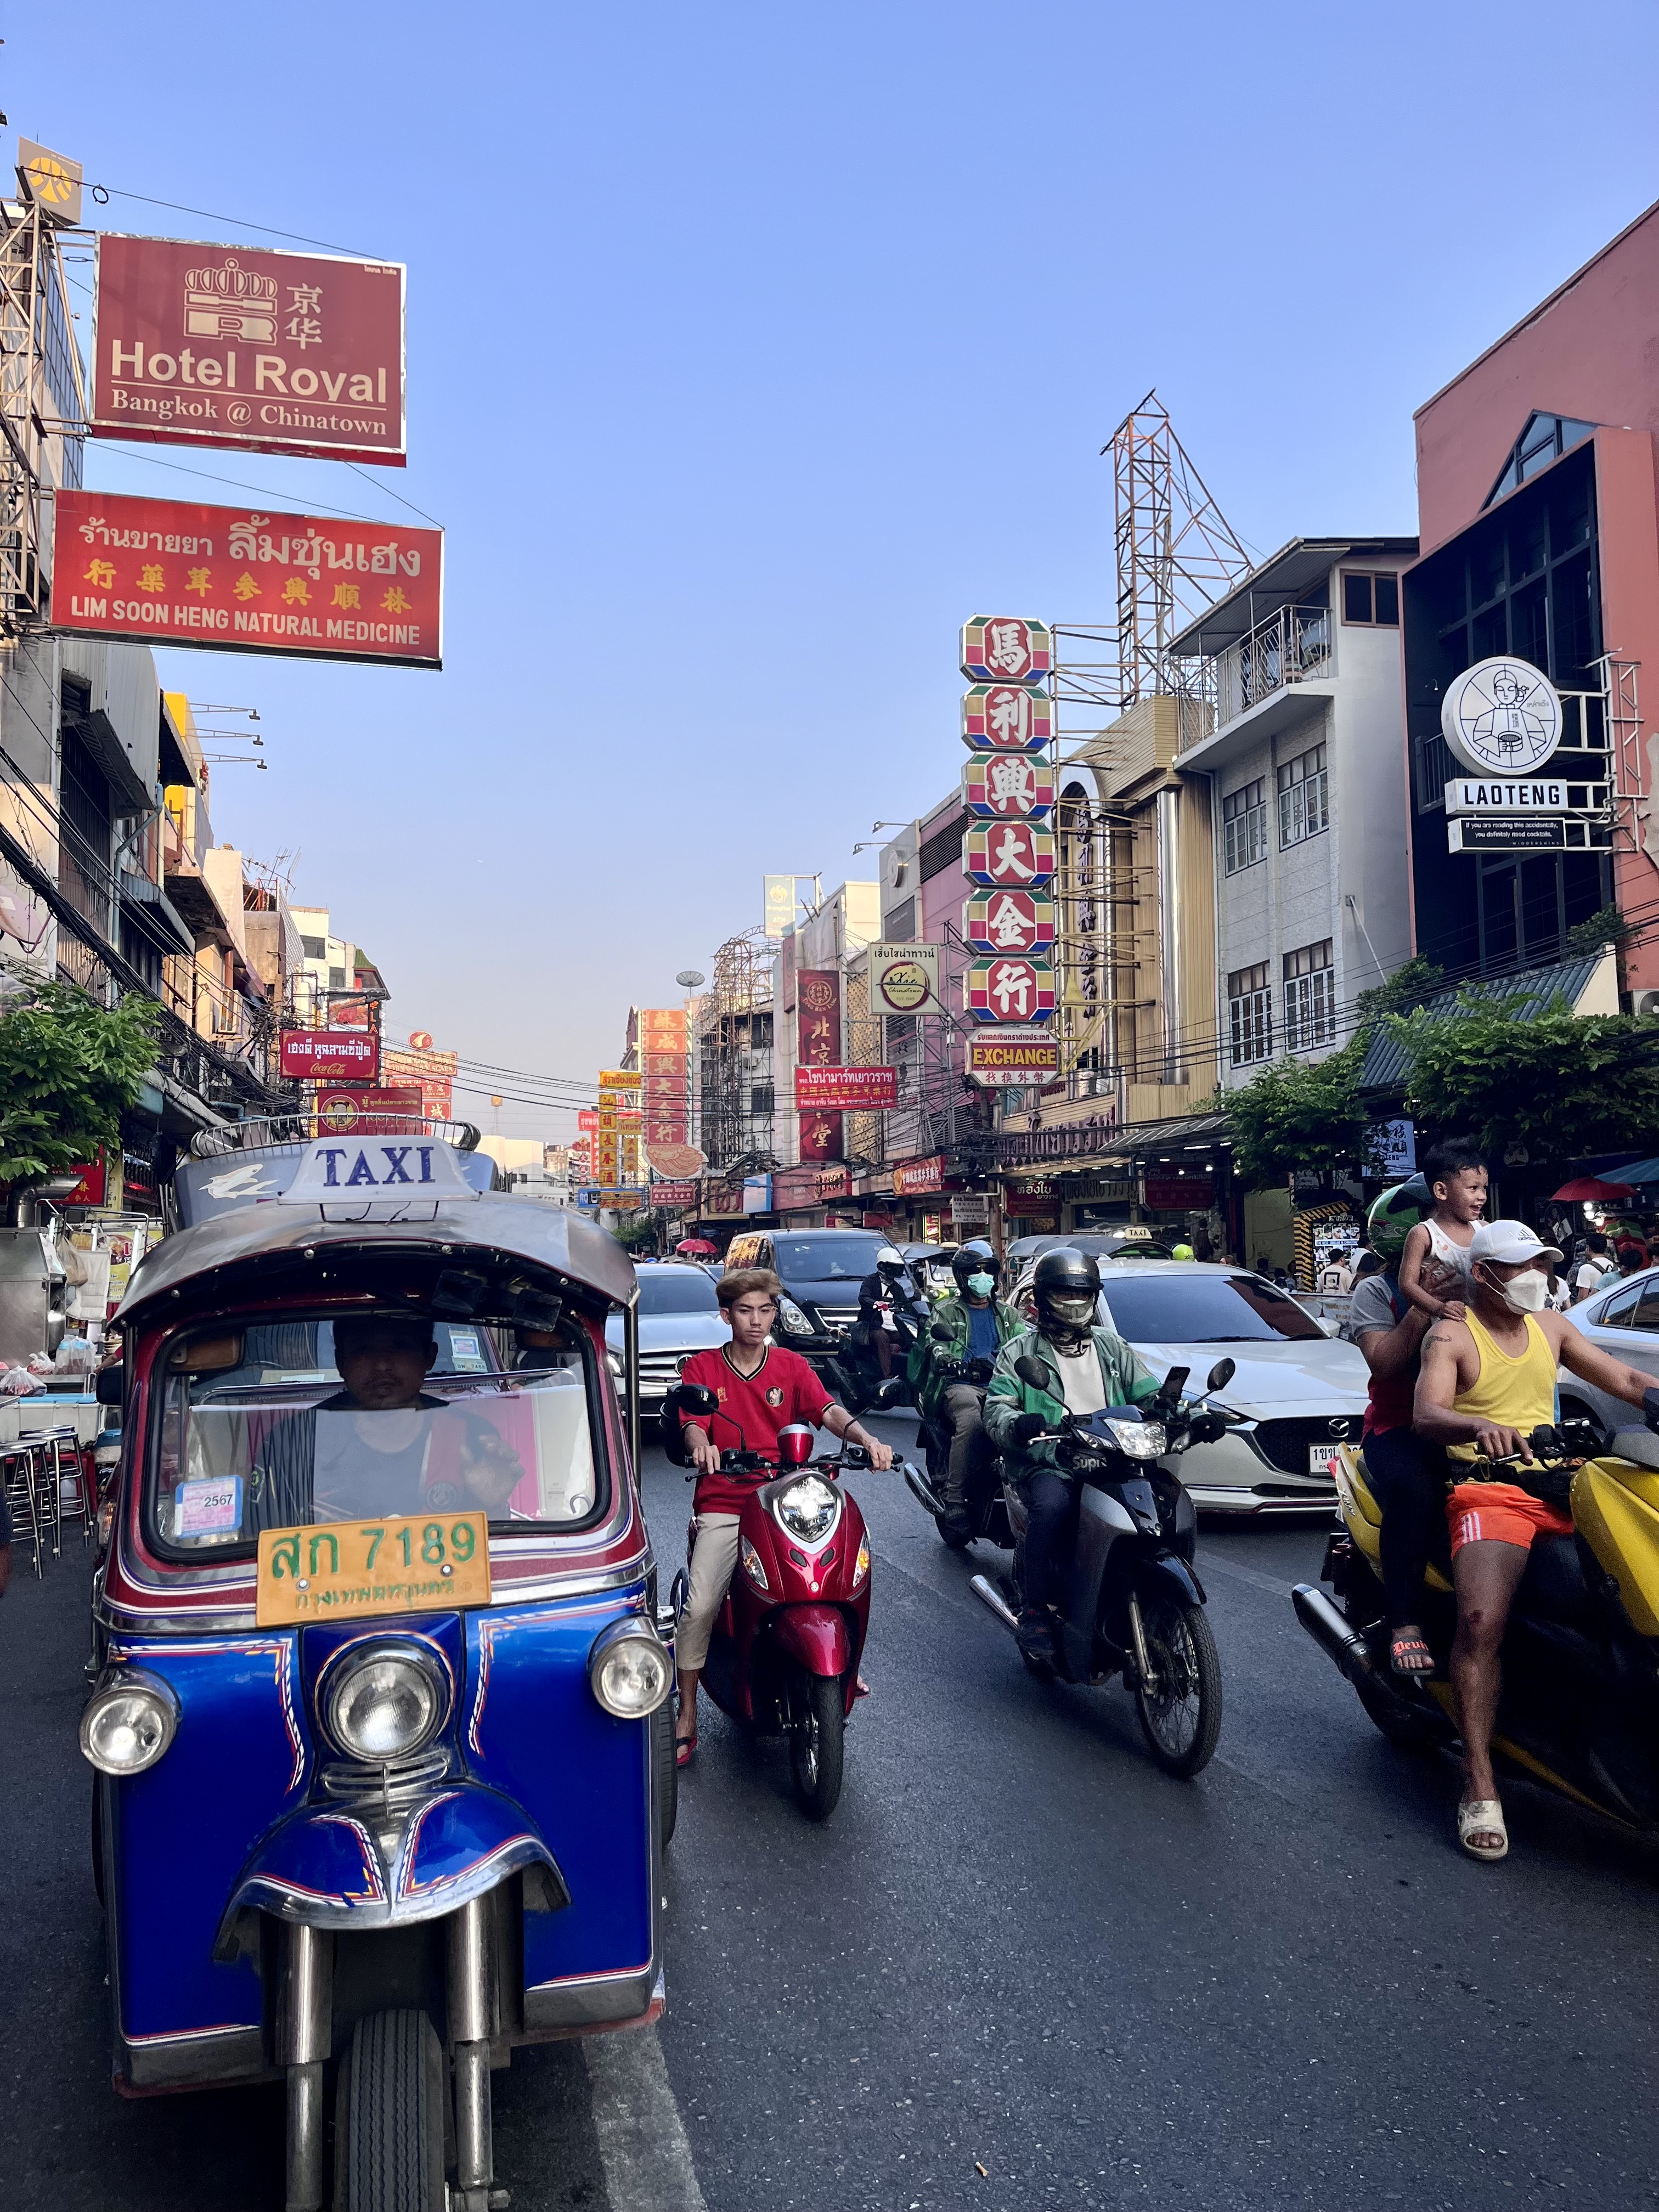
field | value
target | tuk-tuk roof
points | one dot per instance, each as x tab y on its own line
541	1235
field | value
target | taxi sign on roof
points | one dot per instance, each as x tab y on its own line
350	1172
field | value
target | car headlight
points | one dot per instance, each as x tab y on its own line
794	1319
1139	1439
753	1565
630	1670
862	1565
384	1702
128	1723
809	1509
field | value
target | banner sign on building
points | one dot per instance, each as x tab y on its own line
677	1162
834	1183
1471	794
619	1079
241	346
779	906
913	1178
904	979
676	1196
1007	718
1010	990
666	1068
1001	1058
315	1053
859	1090
1010	856
419	1067
1006	649
169	572
358	1111
1526	832
818	1044
1009	784
1009	921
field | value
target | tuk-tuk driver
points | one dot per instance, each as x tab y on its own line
377	1459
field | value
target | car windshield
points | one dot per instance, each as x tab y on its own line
829	1259
234	1452
1189	1309
677	1291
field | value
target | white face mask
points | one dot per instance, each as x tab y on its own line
1524	1294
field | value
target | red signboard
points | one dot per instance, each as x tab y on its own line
676	1196
1007	784
92	1187
360	1112
834	1183
1172	1190
869	1090
1007	718
817	1035
1009	921
241	346
1009	856
169	572
911	1177
1011	990
314	1054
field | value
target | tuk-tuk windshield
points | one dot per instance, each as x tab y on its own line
383	1433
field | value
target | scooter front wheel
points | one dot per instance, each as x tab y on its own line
1180	1718
389	2139
815	1743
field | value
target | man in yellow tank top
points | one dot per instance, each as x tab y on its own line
1486	1383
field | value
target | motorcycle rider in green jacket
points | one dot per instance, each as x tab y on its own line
1092	1369
981	1324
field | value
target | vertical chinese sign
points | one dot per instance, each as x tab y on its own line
1007	723
818	1044
664	1067
616	1140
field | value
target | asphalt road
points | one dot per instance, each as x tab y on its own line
1019	1969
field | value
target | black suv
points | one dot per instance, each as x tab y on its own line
820	1270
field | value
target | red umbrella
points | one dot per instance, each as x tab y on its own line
1592	1189
699	1248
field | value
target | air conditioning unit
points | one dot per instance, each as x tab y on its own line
1647	1002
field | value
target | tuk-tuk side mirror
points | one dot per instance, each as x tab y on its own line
537	1309
110	1384
458	1294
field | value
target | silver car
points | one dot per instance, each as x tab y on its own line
678	1315
1296	1394
1623	1320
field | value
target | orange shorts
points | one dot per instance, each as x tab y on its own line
1500	1513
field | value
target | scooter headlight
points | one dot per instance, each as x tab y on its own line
809	1509
630	1671
385	1701
1139	1439
128	1723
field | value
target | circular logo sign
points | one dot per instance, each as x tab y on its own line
902	984
1501	717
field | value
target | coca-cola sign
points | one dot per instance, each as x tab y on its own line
313	1055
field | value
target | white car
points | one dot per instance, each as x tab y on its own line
1296	1394
1622	1319
679	1315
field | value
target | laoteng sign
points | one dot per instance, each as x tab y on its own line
239	346
1502	718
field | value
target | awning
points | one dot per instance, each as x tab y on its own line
1589	986
150	911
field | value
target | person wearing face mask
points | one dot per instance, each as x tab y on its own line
1486	1383
980	1326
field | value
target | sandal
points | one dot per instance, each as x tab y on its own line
1410	1656
684	1747
1483	1816
860	1688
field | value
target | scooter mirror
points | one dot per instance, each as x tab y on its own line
1222	1374
696	1399
942	1332
794	1444
1035	1372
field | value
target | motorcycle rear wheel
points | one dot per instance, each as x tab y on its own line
816	1743
1182	1723
389	2139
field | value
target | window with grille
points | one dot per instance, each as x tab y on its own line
1244	825
1304	797
1250	1015
1309	997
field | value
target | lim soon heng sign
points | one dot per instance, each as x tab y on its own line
1502	721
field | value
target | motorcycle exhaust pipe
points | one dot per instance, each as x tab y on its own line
1328	1630
917	1485
989	1594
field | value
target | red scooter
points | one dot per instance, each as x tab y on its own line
783	1658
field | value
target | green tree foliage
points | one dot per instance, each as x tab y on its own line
67	1069
1295	1117
1561	1084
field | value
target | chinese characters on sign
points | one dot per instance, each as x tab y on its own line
666	1068
1002	1058
1008	921
1009	784
1010	856
168	572
818	1044
1011	990
862	1089
1006	718
239	346
1006	649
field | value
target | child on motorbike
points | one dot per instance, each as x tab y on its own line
1456	1176
762	1388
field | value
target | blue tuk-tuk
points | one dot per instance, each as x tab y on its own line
384	1760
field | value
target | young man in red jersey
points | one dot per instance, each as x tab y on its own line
761	1389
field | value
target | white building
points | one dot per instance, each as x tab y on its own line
1306	766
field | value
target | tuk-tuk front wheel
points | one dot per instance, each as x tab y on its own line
816	1743
389	2135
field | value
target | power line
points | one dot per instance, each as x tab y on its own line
102	192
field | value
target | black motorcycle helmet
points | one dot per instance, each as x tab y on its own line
1066	1290
975	1258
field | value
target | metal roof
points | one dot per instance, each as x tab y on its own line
1278	581
1384	1065
543	1237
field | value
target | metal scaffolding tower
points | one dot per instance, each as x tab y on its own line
734	1047
42	398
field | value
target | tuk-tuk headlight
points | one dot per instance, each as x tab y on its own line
128	1723
384	1702
630	1671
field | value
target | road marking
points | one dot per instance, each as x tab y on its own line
642	2145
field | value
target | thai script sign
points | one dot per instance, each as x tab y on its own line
169	572
862	1089
676	1196
904	979
310	1054
241	346
361	1112
911	1178
1006	1058
402	1564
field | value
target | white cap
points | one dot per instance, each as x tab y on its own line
1510	1243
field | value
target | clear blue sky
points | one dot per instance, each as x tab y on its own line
752	348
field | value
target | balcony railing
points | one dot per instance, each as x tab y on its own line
1287	648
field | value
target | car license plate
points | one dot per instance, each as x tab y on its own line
345	1570
1323	1459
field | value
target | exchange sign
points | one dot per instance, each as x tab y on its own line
1007	718
1010	856
1010	990
1003	1058
169	572
1006	649
1008	921
1009	784
239	346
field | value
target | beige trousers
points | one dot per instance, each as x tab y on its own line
714	1556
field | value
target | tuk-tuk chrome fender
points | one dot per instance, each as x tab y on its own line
339	1866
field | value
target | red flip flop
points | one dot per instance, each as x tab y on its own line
684	1747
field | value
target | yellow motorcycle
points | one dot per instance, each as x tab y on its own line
1580	1705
